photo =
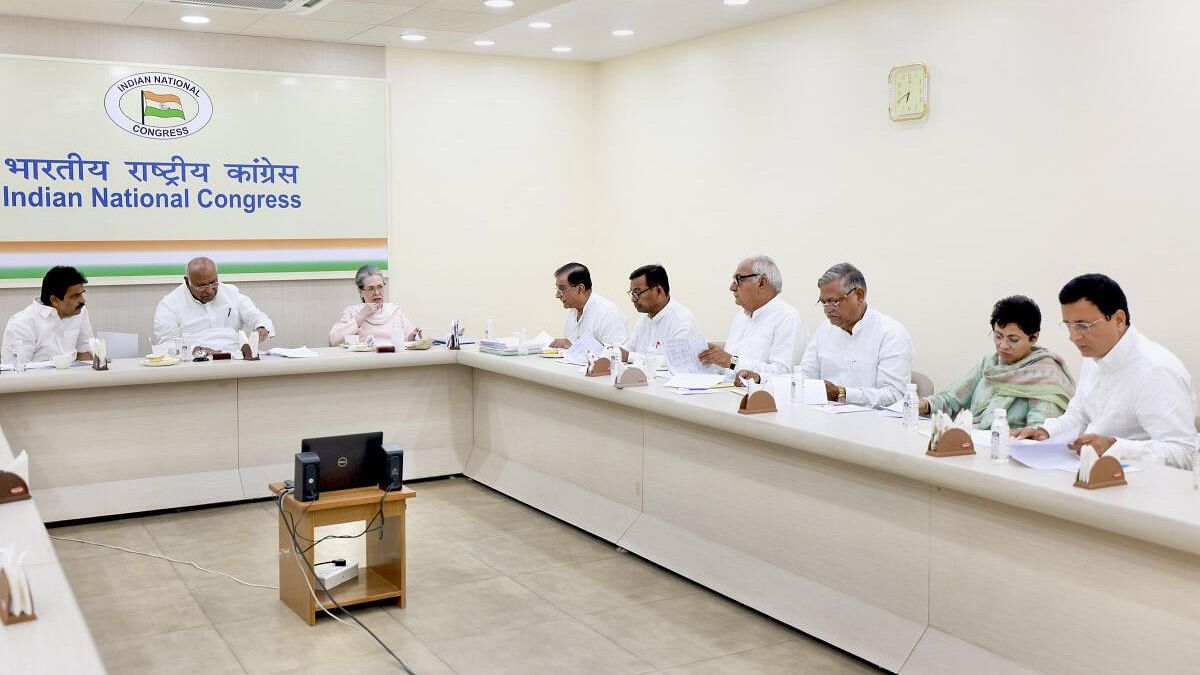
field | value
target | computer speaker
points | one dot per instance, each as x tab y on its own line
391	476
308	476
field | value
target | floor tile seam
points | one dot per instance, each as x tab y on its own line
181	630
169	583
696	591
153	633
390	613
580	614
724	656
432	644
564	610
481	561
509	533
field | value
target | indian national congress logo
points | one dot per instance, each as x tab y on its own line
158	105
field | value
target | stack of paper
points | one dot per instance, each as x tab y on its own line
293	353
697	383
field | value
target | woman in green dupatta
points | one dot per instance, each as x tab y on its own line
1030	382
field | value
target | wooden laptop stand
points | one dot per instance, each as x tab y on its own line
380	578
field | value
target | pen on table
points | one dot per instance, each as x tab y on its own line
229	312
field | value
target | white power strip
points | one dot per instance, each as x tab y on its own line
332	575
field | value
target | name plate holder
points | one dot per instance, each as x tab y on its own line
12	487
1106	472
248	354
601	367
757	402
6	616
630	377
97	364
952	443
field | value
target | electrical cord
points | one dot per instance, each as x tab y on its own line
164	557
290	524
366	529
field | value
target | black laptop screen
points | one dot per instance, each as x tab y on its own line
348	461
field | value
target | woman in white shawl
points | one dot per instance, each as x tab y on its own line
373	320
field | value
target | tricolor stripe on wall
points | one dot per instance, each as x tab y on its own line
31	259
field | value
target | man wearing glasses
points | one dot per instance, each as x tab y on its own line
665	319
587	313
767	335
1134	398
206	313
864	356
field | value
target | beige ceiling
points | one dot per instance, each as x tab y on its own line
583	25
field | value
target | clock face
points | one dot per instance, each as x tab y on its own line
908	89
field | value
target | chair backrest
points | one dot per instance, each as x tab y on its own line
924	384
120	345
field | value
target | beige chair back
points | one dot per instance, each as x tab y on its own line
924	384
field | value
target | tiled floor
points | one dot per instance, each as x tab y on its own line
494	587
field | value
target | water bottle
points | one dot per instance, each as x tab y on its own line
487	329
1000	437
797	386
522	342
911	407
1196	469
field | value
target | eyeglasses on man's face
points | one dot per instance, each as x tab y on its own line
635	293
832	305
1081	327
204	286
739	278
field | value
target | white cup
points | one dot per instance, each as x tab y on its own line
160	349
352	339
63	361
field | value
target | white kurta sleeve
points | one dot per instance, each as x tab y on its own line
894	373
252	316
1164	411
810	364
167	322
610	329
782	350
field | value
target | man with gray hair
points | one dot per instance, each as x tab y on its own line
206	313
864	356
767	335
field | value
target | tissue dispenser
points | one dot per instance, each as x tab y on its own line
1106	472
12	487
953	442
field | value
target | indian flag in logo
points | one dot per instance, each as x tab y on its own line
161	105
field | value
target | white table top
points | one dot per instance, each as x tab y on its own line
58	640
124	372
1158	505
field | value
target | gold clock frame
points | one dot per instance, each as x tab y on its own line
892	88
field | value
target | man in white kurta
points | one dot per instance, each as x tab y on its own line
863	355
767	335
1134	399
207	313
55	323
587	313
663	319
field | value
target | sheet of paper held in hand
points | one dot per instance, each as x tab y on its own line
577	354
683	356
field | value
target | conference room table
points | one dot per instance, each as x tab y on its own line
836	524
57	641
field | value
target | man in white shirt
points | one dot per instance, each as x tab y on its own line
1134	399
587	313
767	335
664	319
208	313
55	323
864	356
